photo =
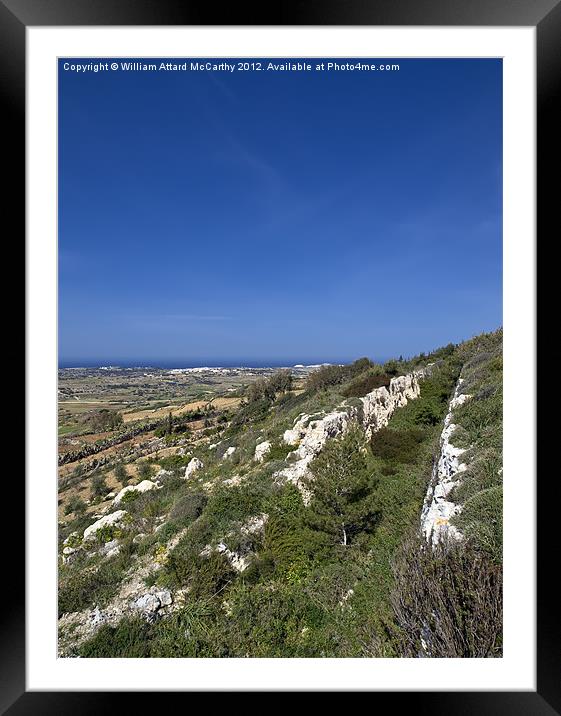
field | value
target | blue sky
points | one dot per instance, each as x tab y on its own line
246	216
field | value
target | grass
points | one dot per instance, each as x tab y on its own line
81	587
479	431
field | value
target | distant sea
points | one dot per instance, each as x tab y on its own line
210	363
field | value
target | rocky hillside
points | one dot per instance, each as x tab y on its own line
316	521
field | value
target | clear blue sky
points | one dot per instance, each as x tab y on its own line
223	217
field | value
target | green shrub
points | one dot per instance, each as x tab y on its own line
324	377
129	497
397	446
365	384
233	504
278	451
99	486
188	507
174	462
343	502
76	505
82	588
253	412
101	420
128	639
121	474
482	520
150	504
145	470
447	601
206	576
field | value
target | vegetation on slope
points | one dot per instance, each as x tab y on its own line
325	579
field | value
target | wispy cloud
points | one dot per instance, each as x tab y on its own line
151	321
192	317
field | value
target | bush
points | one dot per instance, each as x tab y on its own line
392	368
330	375
481	519
128	639
101	420
149	504
447	601
205	576
397	446
82	588
233	504
252	412
324	377
188	508
121	475
278	451
428	412
365	384
99	486
145	470
174	462
76	505
285	549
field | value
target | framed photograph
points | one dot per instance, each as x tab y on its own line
280	367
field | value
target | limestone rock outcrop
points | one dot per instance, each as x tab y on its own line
194	465
438	510
151	603
144	486
310	432
240	560
262	450
228	452
380	404
115	520
162	475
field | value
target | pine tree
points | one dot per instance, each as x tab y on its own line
343	502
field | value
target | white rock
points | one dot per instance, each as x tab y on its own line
261	450
194	465
348	594
380	404
230	451
437	509
115	519
69	554
109	546
72	537
234	481
314	437
144	486
239	563
148	603
164	596
255	524
162	475
97	618
294	435
310	432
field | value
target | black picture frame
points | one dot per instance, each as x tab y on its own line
545	15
